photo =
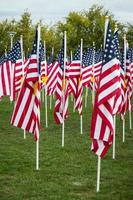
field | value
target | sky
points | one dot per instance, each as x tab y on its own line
51	11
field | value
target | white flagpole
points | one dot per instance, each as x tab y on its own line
50	97
86	95
114	136
71	58
113	156
130	119
46	100
98	173
123	135
22	54
125	49
93	86
11	34
81	53
99	158
37	142
63	91
37	154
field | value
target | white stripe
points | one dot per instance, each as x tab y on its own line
109	77
21	107
97	127
100	147
107	91
109	65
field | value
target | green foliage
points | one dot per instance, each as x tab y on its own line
25	28
88	24
130	34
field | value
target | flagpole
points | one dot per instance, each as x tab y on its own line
63	91
99	158
46	100
86	95
37	142
71	58
98	173
81	116
114	135
50	97
113	156
22	54
11	34
130	120
123	135
93	81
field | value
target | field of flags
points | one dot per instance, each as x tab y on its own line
105	73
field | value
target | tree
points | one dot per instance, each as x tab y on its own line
130	34
88	25
25	28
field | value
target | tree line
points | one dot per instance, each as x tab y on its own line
87	24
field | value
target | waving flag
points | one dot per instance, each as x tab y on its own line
15	57
102	126
87	67
58	110
26	113
5	77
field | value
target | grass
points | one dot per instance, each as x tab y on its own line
67	173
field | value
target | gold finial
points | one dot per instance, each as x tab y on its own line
106	17
125	36
116	26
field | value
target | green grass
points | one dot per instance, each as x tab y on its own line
67	173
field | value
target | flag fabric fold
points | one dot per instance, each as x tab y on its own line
109	89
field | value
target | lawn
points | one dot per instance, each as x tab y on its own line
67	173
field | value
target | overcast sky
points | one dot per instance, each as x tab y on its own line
51	11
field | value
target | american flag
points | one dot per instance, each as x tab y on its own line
43	65
123	85
74	72
76	80
131	61
53	70
128	80
74	68
61	104
87	67
118	103
126	77
102	125
5	77
98	63
15	57
26	114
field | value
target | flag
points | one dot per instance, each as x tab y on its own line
26	114
58	110
53	70
102	125
77	81
87	67
15	57
5	78
97	66
61	92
